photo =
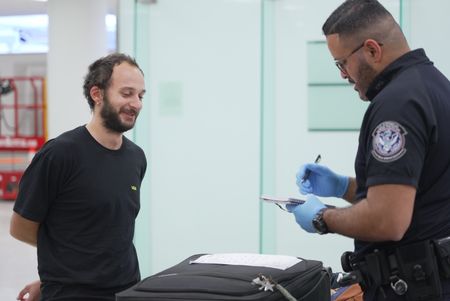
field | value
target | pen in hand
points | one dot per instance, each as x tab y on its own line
308	172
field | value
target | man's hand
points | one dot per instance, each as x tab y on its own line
321	181
304	213
31	292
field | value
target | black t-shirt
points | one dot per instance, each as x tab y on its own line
86	199
405	139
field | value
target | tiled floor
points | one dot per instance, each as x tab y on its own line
17	260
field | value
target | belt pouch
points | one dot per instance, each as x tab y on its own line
418	267
377	268
442	248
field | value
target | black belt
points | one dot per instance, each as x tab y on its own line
410	270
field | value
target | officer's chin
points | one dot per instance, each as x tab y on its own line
362	95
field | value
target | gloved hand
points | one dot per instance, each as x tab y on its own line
304	213
321	181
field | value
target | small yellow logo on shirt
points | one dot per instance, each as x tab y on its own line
133	187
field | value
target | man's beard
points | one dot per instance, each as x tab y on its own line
366	76
111	119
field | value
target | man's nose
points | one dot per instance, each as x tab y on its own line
136	102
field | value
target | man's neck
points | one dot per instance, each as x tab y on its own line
107	138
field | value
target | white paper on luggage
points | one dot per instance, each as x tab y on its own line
281	262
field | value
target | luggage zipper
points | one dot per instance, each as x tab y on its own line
268	284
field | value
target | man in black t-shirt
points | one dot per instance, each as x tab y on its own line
400	198
79	197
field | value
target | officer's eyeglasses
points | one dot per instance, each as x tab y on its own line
341	63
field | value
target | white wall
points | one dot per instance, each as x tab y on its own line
203	99
428	27
77	37
23	65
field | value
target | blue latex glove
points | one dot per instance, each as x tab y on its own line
321	181
305	212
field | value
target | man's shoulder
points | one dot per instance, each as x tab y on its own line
72	134
130	145
64	142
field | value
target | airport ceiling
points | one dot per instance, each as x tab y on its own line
31	7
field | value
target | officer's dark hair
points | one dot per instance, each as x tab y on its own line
100	71
354	17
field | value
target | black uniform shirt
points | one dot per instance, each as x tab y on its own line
405	139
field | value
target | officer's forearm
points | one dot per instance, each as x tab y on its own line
354	222
385	215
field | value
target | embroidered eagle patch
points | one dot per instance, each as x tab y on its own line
388	141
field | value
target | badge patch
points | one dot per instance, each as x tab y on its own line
388	141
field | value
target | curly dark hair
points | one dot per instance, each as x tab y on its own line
100	71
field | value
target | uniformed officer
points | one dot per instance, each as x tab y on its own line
400	198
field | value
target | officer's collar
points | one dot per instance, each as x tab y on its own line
381	80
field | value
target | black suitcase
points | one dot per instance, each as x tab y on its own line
306	280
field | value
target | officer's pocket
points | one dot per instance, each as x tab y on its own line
442	247
418	267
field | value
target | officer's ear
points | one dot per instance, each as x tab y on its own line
374	49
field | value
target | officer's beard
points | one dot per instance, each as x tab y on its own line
366	75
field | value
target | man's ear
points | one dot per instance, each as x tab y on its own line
375	49
96	94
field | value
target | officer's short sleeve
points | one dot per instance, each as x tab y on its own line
397	142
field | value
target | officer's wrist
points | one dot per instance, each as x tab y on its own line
343	187
319	222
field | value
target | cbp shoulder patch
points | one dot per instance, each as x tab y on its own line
388	141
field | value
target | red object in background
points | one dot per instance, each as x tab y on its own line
22	128
9	184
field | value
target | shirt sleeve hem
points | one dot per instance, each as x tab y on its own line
26	214
380	180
